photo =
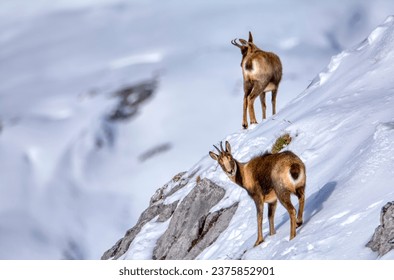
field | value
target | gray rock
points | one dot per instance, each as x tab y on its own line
130	99
154	151
214	224
180	179
383	239
164	212
156	208
192	227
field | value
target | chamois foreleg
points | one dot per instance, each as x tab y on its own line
271	215
260	210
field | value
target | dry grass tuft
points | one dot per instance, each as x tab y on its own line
280	143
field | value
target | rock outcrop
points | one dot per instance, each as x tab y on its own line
383	239
130	99
156	208
192	227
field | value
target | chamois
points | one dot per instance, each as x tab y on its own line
262	72
268	178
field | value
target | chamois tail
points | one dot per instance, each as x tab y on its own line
295	171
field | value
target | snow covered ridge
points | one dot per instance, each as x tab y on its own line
342	128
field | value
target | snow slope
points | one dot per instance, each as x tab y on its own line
343	129
71	182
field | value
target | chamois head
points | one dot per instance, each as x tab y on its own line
225	159
245	46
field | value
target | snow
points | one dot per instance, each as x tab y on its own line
63	196
343	129
136	59
143	245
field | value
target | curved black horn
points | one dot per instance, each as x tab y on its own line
221	146
217	149
234	42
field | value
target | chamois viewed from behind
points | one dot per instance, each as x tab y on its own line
268	178
262	72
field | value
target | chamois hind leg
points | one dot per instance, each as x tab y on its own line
300	192
271	216
259	209
244	117
251	98
247	89
263	105
273	101
258	89
284	198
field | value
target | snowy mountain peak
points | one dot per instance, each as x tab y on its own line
342	127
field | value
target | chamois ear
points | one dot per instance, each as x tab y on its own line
214	156
250	37
228	147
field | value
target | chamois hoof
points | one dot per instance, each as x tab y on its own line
258	242
245	126
299	224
